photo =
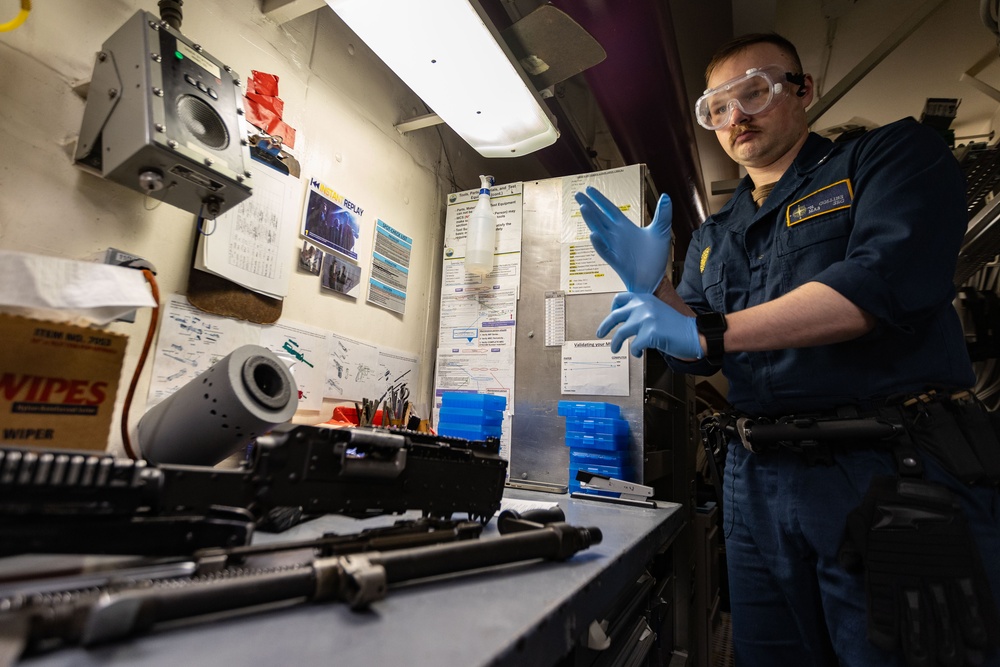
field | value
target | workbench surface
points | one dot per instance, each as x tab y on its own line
521	614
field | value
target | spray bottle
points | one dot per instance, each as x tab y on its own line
482	237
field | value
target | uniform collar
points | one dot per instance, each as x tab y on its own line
814	153
742	189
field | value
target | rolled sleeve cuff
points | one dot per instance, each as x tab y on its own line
699	367
866	290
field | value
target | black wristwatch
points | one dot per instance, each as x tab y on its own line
713	327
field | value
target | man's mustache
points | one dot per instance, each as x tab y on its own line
738	130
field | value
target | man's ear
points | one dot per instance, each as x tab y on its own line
806	90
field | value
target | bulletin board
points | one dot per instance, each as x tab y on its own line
511	332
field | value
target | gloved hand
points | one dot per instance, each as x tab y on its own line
925	584
637	254
654	324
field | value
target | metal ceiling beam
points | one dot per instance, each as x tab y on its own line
283	11
868	63
970	76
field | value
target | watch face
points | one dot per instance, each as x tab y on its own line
711	323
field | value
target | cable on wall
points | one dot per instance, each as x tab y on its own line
170	11
21	17
154	317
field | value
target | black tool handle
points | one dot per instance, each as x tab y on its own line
512	521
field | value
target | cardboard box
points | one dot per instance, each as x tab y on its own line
58	383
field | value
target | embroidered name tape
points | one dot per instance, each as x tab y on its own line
825	200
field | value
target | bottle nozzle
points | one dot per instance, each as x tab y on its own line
486	182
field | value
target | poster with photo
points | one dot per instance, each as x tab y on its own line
339	275
310	258
331	221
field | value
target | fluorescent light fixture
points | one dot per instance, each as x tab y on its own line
458	65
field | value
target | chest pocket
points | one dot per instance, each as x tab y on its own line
825	236
822	228
809	247
821	217
713	284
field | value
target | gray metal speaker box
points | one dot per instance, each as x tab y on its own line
165	117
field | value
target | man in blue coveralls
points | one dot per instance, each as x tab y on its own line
823	288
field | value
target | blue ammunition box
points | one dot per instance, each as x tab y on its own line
613	426
471	416
588	409
468	431
584	457
605	442
457	399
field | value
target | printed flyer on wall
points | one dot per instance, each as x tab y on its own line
331	220
390	268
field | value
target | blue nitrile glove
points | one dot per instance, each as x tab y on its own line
637	254
654	324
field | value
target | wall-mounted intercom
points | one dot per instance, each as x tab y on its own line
164	117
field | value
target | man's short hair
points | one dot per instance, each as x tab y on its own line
743	42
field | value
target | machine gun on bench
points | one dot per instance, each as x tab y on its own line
77	502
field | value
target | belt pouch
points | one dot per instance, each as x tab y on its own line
980	429
938	432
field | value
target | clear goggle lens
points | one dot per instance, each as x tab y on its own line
755	92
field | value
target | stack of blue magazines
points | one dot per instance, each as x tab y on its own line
597	438
471	416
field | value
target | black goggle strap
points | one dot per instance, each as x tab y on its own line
799	80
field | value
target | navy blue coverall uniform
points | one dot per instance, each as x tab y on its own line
880	220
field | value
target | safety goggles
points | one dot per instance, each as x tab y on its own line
755	92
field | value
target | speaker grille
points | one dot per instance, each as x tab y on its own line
202	121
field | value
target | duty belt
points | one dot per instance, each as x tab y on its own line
801	432
813	435
843	424
952	426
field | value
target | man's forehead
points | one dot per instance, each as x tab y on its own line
755	55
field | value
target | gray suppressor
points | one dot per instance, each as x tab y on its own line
242	396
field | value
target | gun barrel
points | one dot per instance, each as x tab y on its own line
358	579
134	611
556	541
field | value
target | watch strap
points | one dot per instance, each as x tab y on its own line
713	327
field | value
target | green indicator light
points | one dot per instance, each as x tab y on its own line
179	55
